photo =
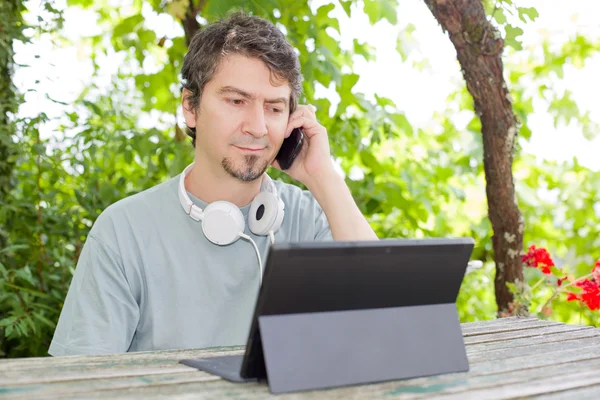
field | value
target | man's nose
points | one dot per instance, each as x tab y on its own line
256	124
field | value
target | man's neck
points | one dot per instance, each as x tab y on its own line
212	184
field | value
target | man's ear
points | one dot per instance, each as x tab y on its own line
189	113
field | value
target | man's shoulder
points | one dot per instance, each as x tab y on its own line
297	199
303	213
138	206
291	192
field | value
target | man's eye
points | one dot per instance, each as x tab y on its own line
277	110
236	102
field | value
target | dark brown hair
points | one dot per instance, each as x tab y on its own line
242	34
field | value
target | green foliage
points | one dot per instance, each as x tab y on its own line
505	13
11	28
409	181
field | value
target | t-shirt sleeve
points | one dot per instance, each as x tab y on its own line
100	313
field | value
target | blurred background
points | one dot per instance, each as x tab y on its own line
90	93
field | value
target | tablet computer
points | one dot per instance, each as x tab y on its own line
319	277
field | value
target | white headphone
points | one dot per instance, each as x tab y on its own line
223	222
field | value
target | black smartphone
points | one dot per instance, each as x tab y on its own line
290	148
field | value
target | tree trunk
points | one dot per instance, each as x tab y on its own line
190	23
479	50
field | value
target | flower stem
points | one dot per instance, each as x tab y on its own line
574	282
538	283
549	300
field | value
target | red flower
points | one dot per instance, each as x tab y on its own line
572	297
590	295
538	258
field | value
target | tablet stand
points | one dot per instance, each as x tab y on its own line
331	349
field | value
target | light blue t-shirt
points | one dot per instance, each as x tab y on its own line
148	279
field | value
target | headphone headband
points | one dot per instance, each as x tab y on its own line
184	199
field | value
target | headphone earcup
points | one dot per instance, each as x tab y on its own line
222	223
266	214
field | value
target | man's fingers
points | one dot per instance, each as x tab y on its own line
304	110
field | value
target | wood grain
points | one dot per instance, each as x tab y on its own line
585	393
137	358
507	328
534	349
529	341
541	331
505	320
551	384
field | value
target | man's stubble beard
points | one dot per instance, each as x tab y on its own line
251	170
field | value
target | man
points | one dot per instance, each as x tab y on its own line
148	277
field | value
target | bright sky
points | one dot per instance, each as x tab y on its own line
64	72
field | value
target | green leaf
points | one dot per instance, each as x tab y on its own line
128	25
363	49
44	320
512	287
384	101
348	82
13	248
370	161
531	12
557	272
346	4
7	321
24	289
80	3
403	123
511	37
499	16
380	9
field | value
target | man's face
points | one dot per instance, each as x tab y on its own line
242	117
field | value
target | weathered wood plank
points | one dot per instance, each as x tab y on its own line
124	365
499	321
525	389
498	371
136	358
57	389
533	350
549	330
540	360
414	389
41	376
508	328
585	393
529	341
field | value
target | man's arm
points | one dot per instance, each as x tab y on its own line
314	168
344	217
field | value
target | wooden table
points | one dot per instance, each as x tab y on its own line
509	358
